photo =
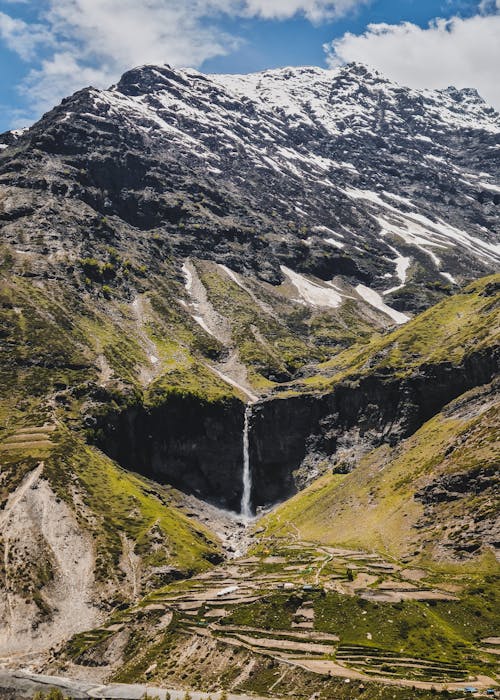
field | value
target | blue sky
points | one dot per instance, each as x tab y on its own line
299	42
49	48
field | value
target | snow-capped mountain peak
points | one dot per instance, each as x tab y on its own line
328	172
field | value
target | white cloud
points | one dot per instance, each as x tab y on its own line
460	52
126	33
21	37
314	10
59	76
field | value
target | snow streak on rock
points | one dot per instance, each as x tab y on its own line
311	292
375	300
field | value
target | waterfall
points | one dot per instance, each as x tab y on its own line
246	508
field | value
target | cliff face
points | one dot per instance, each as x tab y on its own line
431	496
319	431
195	445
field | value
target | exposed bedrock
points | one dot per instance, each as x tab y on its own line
192	444
197	446
290	433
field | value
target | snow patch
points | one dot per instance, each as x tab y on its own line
449	277
488	186
419	230
402	265
312	293
188	278
325	229
374	299
336	244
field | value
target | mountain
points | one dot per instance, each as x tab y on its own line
324	172
383	572
269	289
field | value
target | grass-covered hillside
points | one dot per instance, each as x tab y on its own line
67	510
302	620
448	333
81	536
104	341
156	374
430	497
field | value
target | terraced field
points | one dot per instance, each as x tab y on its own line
36	438
329	612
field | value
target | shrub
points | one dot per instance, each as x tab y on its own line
53	694
91	268
108	271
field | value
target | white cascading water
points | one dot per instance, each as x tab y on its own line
246	509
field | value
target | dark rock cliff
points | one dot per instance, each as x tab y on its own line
288	433
197	446
192	444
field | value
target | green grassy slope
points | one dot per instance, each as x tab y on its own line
467	322
377	506
63	358
275	335
110	505
382	504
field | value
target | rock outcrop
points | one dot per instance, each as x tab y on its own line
295	439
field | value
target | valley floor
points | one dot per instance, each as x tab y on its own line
294	618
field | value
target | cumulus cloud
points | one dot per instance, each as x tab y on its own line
314	10
21	37
57	77
82	41
94	41
460	52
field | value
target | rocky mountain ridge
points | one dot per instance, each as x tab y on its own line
325	172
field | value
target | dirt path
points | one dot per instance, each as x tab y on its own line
328	559
26	684
131	564
19	493
233	366
304	635
286	645
333	669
